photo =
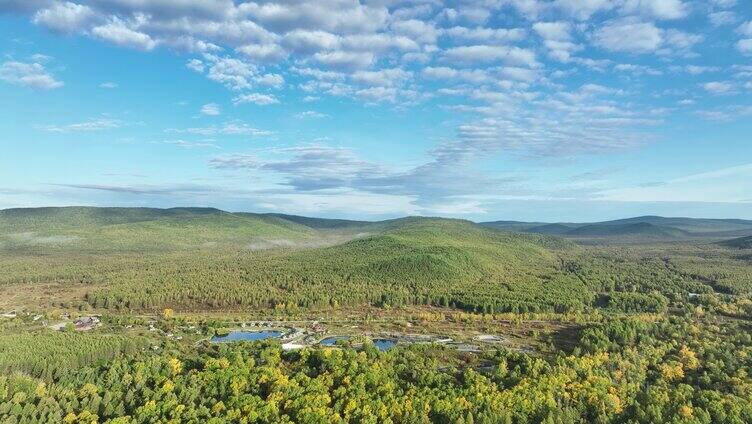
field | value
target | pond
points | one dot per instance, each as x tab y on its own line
331	341
238	336
384	344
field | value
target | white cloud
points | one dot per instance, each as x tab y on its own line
32	75
488	54
236	128
424	32
195	65
697	70
118	32
190	144
108	84
583	9
722	18
65	17
270	80
659	9
210	109
445	73
629	36
553	30
634	36
255	98
485	35
718	87
310	114
264	52
557	38
98	124
233	73
745	29
384	77
745	46
343	60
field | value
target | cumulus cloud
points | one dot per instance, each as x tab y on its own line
488	54
32	75
65	17
500	68
663	9
629	36
119	33
718	87
557	38
344	60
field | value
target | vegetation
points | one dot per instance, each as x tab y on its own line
623	333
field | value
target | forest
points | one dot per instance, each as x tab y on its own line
492	325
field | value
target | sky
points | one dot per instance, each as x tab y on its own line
532	110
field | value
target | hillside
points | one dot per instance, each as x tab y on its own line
654	227
319	223
196	259
738	243
108	229
416	261
641	229
552	229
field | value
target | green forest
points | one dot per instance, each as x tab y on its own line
490	325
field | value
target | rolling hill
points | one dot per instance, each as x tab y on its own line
642	229
197	259
108	229
650	227
738	243
415	261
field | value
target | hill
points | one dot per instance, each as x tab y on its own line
320	223
738	243
140	229
641	229
655	227
691	225
552	229
409	261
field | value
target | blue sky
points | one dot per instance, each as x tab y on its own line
557	110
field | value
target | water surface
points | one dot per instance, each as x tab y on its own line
384	344
237	336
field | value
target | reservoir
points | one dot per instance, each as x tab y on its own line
331	341
384	344
238	336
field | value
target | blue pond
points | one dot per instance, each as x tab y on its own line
237	336
384	344
331	341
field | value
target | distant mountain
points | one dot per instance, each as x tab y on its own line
738	243
139	229
320	223
693	225
550	229
512	225
642	229
650	226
